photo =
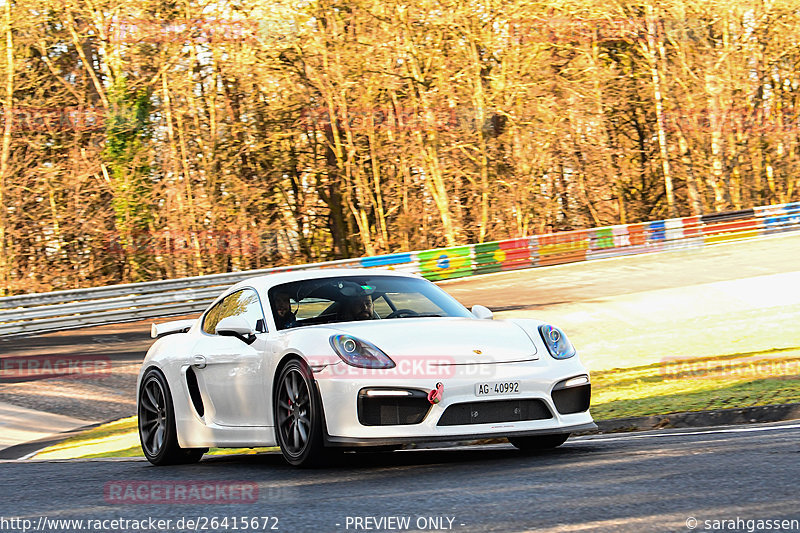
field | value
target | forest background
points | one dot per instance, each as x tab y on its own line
156	139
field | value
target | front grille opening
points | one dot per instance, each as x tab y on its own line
392	410
573	399
489	412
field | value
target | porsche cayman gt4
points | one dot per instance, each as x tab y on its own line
326	360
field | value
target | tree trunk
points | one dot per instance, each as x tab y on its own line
716	123
695	202
8	113
655	44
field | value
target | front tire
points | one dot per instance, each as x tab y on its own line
540	442
157	432
298	416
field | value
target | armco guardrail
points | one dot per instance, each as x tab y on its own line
119	303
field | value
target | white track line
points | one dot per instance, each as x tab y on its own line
748	429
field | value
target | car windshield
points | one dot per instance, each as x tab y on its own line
347	298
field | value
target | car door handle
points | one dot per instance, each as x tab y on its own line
199	361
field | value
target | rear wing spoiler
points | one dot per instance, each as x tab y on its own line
174	326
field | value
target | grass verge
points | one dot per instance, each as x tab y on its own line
115	439
727	381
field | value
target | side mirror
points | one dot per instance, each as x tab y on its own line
484	313
236	326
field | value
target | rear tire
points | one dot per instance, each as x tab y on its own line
157	433
539	442
298	416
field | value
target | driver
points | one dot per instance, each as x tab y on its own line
284	318
358	307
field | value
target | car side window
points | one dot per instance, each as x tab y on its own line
241	303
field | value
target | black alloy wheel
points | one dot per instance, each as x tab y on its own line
157	432
298	416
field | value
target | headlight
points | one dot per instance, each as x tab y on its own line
557	343
357	352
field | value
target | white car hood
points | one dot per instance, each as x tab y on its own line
460	340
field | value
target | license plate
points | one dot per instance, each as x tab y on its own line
496	388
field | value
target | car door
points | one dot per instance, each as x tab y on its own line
230	372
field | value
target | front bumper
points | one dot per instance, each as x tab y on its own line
537	380
350	442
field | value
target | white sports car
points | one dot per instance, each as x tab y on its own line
315	361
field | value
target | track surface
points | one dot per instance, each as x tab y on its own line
643	482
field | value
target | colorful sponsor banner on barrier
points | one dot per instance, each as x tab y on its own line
403	262
445	263
682	233
495	256
534	250
636	239
566	247
386	261
488	257
779	218
628	239
622	239
602	238
637	234
731	231
516	253
692	227
657	233
610	241
730	226
595	243
673	229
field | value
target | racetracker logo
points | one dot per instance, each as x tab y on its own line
406	367
156	492
174	243
747	368
371	119
196	30
54	119
575	30
51	366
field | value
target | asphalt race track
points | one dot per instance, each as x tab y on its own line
654	481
